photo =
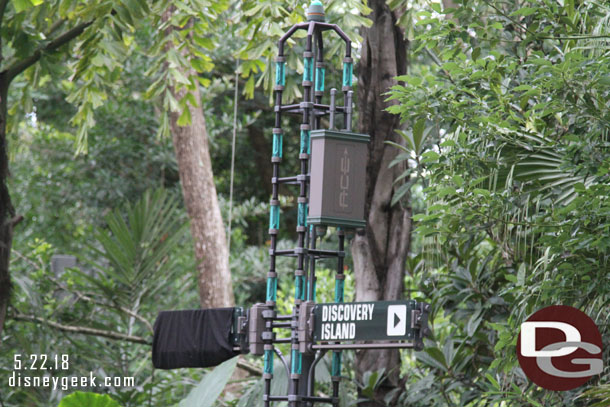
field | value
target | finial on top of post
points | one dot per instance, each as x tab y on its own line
315	11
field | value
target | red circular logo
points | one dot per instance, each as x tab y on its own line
559	348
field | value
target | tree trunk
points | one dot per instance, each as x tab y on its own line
6	209
8	220
380	250
199	191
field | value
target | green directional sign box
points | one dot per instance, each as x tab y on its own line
369	321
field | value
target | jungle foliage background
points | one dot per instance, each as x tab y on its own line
505	122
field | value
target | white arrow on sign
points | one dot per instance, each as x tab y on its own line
397	320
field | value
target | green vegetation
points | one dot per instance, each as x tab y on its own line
507	108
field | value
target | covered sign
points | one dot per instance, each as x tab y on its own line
194	338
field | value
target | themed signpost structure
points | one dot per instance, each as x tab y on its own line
331	193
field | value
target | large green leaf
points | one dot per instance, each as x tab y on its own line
253	397
87	399
210	387
534	161
21	5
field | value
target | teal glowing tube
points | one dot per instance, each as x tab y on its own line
348	69
339	288
308	71
313	291
320	79
295	365
299	287
336	364
278	144
305	146
268	361
274	217
280	73
271	289
302	214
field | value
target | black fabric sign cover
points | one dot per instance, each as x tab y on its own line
192	338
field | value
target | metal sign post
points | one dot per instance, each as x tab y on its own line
331	192
302	361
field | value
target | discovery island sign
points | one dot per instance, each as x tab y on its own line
339	321
370	321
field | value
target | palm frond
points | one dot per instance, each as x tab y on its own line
134	253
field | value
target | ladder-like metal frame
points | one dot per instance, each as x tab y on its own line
302	366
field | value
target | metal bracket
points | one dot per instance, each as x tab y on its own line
256	327
419	322
305	327
358	346
415	319
242	333
238	335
